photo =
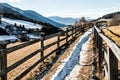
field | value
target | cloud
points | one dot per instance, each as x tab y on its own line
15	0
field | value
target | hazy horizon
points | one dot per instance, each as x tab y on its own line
68	8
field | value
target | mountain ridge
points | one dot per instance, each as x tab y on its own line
6	8
66	20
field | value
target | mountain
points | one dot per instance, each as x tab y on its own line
107	17
110	15
28	18
66	20
12	12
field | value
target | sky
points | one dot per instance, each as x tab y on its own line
68	8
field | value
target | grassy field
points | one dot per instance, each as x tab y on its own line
113	33
21	53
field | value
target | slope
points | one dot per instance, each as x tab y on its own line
13	12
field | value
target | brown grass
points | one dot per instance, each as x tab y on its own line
116	30
21	53
18	55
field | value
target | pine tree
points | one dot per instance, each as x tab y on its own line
0	20
76	23
23	27
15	24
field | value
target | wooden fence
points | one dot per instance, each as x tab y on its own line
108	55
4	69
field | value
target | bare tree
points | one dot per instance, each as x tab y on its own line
76	23
82	21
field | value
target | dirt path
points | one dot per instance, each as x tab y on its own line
62	60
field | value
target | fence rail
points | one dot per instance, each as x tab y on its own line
72	32
108	54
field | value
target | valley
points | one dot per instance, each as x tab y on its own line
59	40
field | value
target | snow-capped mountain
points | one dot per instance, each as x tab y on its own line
6	9
67	20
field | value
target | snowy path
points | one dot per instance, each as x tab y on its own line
69	69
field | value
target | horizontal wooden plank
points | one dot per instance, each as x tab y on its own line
70	41
77	27
63	45
22	60
62	39
69	30
28	70
54	35
77	32
14	48
50	53
63	32
50	36
49	45
70	35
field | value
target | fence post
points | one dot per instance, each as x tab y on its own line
94	43
3	62
95	40
58	42
66	37
100	53
94	36
42	47
72	33
75	31
112	66
79	29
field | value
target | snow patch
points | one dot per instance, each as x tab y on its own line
83	56
33	36
21	22
65	68
7	37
